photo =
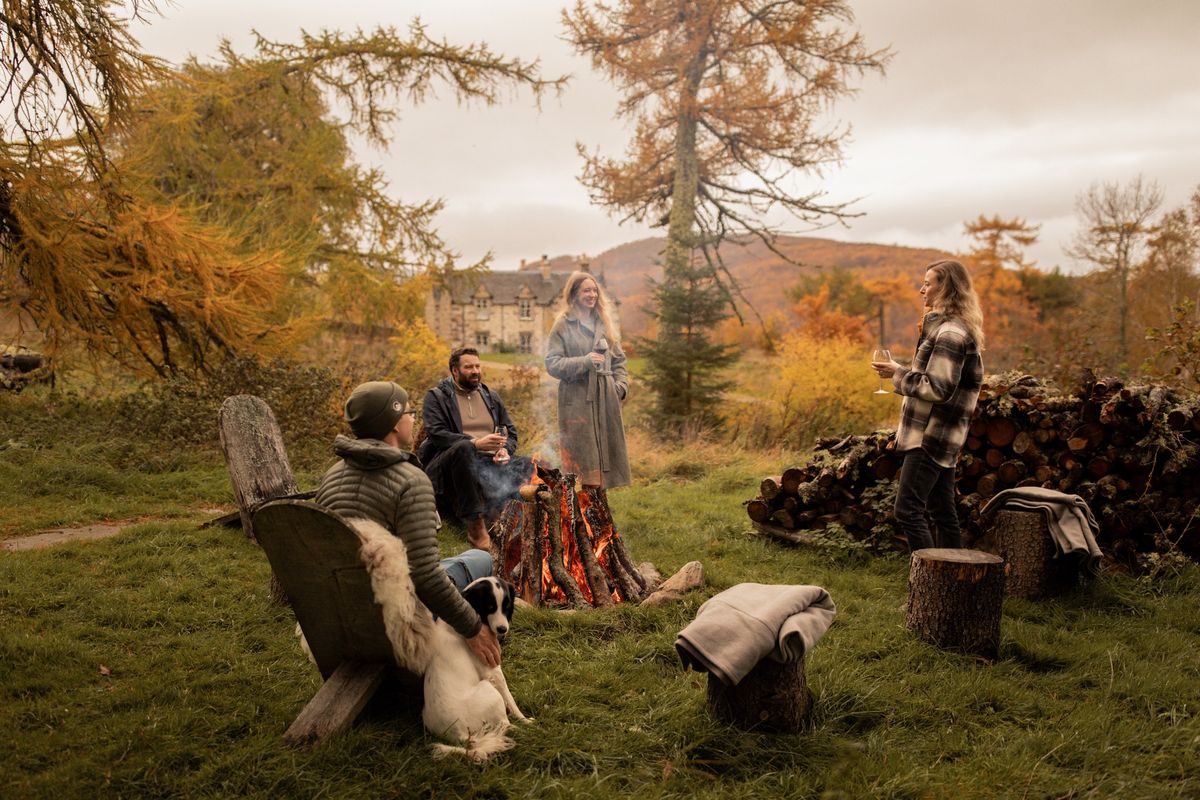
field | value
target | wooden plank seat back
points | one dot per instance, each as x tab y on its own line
315	555
254	455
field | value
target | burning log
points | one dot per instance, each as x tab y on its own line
601	594
559	546
556	532
629	578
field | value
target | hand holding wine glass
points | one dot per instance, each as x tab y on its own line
881	356
501	455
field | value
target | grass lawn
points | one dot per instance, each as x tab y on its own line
153	664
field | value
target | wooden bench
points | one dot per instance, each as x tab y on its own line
315	556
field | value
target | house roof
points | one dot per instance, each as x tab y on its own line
507	287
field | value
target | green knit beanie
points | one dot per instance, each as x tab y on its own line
374	407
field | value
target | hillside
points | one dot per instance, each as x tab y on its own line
764	277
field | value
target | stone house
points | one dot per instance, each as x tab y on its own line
504	312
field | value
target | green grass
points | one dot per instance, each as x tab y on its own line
153	664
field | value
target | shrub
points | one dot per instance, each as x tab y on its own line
812	387
530	409
306	401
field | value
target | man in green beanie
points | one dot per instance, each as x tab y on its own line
378	478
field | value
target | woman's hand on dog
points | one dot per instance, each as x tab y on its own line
485	646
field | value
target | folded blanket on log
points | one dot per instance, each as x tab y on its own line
1071	523
737	628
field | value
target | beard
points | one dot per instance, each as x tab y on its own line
468	382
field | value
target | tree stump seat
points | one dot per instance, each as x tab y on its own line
1033	566
773	696
955	598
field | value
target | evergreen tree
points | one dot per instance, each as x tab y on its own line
683	362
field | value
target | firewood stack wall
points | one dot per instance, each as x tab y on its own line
1129	451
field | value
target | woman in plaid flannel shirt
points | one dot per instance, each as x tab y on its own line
940	390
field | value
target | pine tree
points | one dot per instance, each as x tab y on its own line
683	363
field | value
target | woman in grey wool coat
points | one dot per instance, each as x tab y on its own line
586	357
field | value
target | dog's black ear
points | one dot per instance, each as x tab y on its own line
481	596
509	606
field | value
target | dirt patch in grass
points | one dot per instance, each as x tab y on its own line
85	533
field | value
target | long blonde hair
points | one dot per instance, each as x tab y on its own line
956	296
571	289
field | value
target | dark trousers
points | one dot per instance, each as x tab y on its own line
926	492
468	484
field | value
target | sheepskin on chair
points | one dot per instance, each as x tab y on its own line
408	623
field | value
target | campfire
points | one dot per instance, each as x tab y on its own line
559	547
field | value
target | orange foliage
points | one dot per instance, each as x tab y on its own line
820	322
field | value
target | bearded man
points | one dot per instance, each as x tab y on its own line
469	446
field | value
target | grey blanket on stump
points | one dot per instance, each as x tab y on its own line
737	628
1071	523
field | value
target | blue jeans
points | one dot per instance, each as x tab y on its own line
926	487
467	566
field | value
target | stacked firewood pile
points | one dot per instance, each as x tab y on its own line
1130	451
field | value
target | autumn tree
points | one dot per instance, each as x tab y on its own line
1165	291
725	97
1169	272
81	259
997	258
132	235
837	300
250	143
1115	225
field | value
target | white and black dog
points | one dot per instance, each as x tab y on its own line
467	702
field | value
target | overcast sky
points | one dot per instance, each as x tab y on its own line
1009	108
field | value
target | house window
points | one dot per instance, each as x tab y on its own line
525	307
481	339
482	304
526	345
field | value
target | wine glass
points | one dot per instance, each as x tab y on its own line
878	356
501	454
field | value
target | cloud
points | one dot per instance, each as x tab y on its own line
1007	108
530	230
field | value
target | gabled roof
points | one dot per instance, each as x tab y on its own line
506	287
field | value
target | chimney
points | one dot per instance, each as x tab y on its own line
585	263
522	263
544	268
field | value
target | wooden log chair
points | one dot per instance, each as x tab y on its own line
1033	567
316	557
955	598
257	462
773	696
